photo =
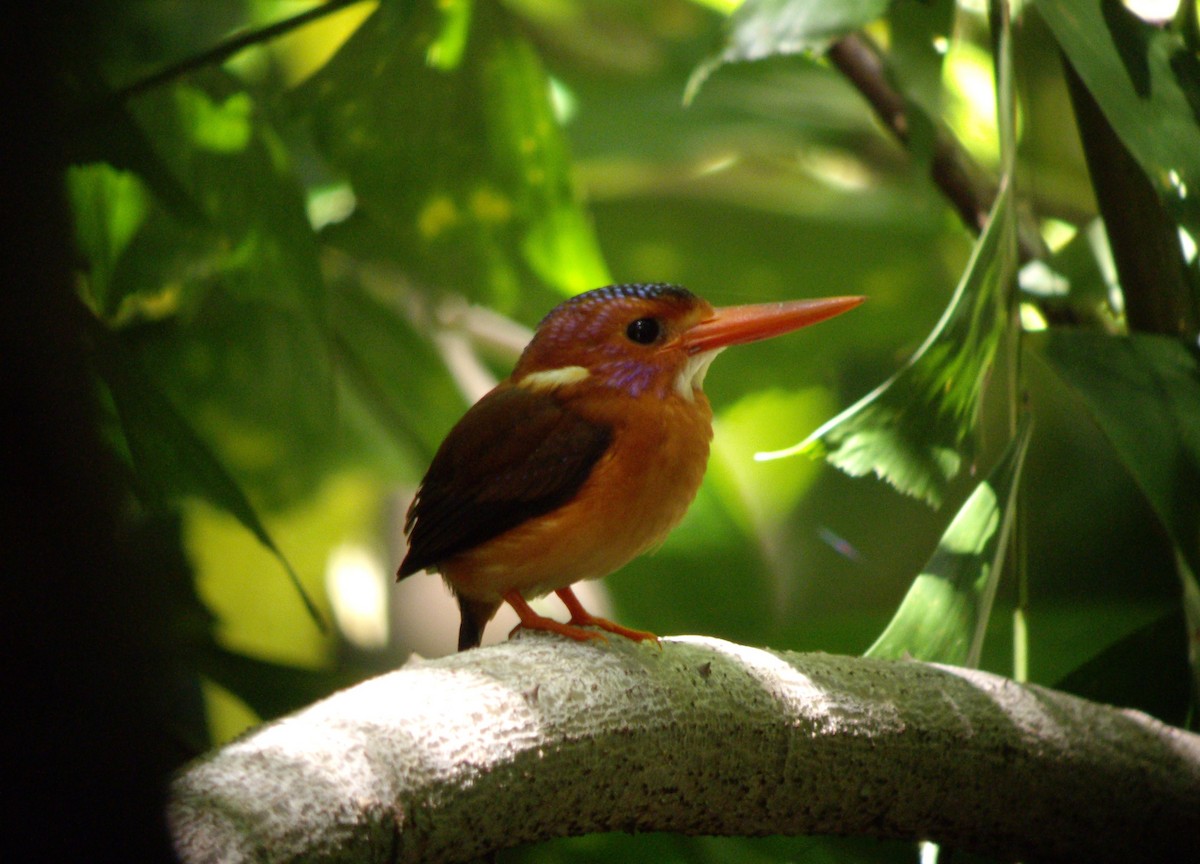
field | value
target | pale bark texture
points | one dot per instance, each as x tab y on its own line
541	737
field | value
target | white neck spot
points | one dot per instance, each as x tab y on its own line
549	379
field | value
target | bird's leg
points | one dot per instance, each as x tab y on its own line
580	617
530	620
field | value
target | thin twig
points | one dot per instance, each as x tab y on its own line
224	50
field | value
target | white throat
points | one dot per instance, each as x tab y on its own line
691	376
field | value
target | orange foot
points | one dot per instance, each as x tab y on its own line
583	618
580	618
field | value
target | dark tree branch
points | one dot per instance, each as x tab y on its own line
1158	293
953	171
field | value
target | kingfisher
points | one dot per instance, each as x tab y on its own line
586	456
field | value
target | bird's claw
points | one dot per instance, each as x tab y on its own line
549	625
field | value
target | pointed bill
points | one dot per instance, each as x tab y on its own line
737	325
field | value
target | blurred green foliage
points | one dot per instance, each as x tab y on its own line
281	234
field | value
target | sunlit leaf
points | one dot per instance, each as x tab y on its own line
458	163
125	187
301	52
945	614
110	133
765	28
170	460
1144	392
912	429
445	52
1147	83
110	207
221	127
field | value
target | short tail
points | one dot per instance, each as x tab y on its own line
475	616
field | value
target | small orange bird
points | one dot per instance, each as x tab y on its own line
586	456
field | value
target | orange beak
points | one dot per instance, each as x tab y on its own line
737	325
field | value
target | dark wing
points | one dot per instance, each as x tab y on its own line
514	455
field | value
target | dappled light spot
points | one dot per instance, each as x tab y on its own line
971	97
358	587
1021	706
328	205
490	206
779	679
438	215
1177	183
1032	320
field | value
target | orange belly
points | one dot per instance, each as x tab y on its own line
637	492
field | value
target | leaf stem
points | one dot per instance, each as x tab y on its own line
1013	555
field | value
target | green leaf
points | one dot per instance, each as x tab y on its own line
1144	393
254	380
169	459
766	28
239	287
945	614
1146	670
446	51
221	145
110	133
110	207
460	169
912	428
1147	83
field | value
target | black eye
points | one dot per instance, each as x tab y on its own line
644	330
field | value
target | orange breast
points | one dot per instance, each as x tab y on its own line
635	495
